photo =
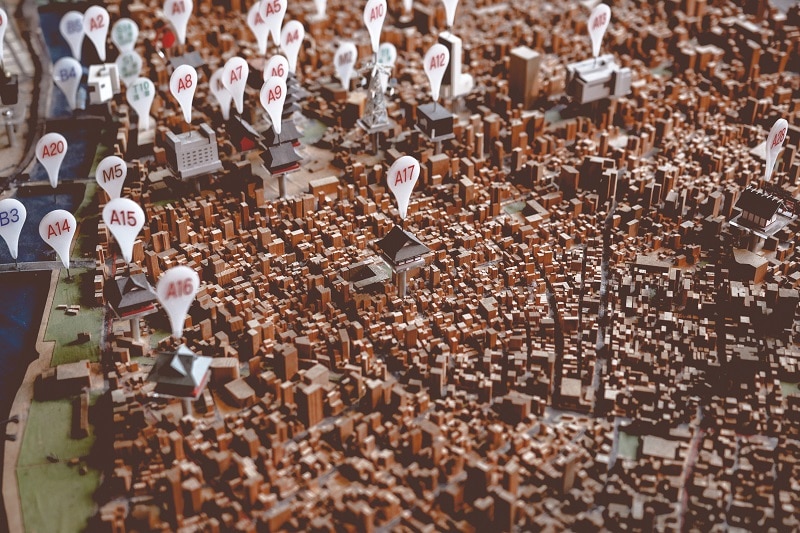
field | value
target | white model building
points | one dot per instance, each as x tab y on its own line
103	83
594	79
455	83
193	153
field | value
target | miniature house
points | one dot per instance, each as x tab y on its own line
103	82
595	79
435	122
131	296
181	373
193	153
402	251
9	88
759	209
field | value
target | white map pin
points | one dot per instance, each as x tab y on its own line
774	144
140	95
259	28
57	229
450	11
598	22
273	12
182	85
124	34
408	5
223	95
278	66
273	95
110	175
12	218
3	28
234	78
50	151
176	290
129	67
344	60
292	37
402	177
322	6
71	29
178	13
436	61
67	73
95	26
374	14
124	218
387	55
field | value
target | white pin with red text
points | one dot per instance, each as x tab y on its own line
273	12
774	144
292	37
273	95
110	175
436	61
402	177
234	78
259	28
71	29
12	218
176	290
140	95
374	15
95	27
344	60
50	151
57	228
178	13
223	95
3	28
124	34
67	73
182	85
124	218
598	23
278	66
450	11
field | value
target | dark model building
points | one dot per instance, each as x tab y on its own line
402	251
180	373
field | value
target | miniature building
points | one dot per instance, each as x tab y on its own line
9	88
435	122
103	81
191	155
281	158
523	76
402	251
131	295
181	373
759	209
594	79
455	83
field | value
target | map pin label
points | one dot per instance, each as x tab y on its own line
12	218
322	6
223	95
774	144
273	12
402	177
95	27
57	229
67	73
140	95
259	27
110	175
450	11
598	23
71	28
234	78
344	60
176	290
273	95
3	28
278	66
124	34
178	13
436	61
374	15
50	151
129	66
292	37
124	218
182	85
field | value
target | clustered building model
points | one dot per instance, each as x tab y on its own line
577	283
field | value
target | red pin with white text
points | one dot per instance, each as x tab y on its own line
273	12
402	177
12	218
124	218
598	23
436	60
178	13
50	151
259	28
291	40
67	73
176	290
278	66
57	229
182	85
110	175
374	15
223	95
344	60
273	95
234	78
774	144
71	28
95	26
